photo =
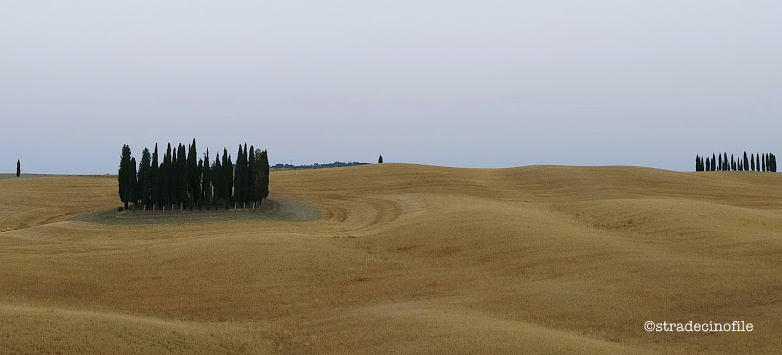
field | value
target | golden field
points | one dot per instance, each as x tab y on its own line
399	258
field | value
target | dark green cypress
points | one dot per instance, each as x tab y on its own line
154	177
144	178
725	166
752	161
182	177
173	174
732	163
713	162
252	175
746	162
165	179
206	182
197	195
122	175
18	168
217	180
193	181
245	177
228	168
238	183
757	162
264	168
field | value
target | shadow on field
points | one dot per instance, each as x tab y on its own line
271	210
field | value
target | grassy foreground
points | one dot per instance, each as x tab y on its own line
398	258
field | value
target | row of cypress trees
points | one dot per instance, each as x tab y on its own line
185	180
720	162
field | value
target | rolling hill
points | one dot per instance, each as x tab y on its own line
399	258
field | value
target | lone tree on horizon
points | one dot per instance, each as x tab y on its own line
18	168
380	160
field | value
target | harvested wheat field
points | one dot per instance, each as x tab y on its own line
398	258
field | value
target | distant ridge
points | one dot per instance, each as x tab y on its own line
337	164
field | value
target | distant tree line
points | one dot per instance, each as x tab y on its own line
337	164
753	162
181	178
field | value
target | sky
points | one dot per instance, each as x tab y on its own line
453	83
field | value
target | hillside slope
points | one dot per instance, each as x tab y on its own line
406	258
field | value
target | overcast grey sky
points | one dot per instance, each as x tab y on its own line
455	83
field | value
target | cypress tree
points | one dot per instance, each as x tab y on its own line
165	179
708	164
713	162
197	195
719	162
217	180
726	161
193	180
772	159
206	182
122	175
238	183
770	163
380	159
227	179
732	163
245	177
182	181
154	177
173	174
752	161
746	162
18	168
264	172
228	166
763	161
757	161
252	177
145	179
